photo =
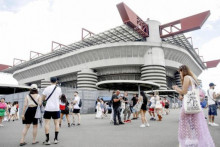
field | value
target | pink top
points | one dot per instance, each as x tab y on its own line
3	105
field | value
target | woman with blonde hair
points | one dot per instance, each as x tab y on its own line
193	128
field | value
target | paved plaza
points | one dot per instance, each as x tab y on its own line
100	133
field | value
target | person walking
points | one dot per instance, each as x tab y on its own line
3	109
212	104
158	106
51	95
167	105
127	111
193	129
13	111
31	101
98	109
76	108
152	106
134	102
64	108
116	107
143	110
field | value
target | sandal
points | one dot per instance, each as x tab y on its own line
35	142
22	144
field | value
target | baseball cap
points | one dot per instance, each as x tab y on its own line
34	86
211	84
53	79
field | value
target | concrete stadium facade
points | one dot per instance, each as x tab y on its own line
153	60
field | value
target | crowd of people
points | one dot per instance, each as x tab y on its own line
123	108
193	128
8	111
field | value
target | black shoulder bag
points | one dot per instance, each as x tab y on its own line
45	101
33	99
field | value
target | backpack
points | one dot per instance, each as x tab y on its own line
80	103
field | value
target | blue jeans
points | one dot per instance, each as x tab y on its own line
117	114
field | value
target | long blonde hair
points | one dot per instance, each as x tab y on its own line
187	72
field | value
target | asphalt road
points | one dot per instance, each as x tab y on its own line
100	133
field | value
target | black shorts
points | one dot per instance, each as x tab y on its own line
65	112
30	116
76	110
52	114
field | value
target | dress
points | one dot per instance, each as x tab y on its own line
99	110
3	106
193	130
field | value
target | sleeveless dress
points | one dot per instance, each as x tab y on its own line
193	130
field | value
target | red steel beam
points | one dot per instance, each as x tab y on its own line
186	24
133	20
20	61
89	33
2	67
53	48
212	64
35	54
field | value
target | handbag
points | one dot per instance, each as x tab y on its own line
192	100
45	101
38	113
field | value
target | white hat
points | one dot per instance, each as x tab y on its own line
34	86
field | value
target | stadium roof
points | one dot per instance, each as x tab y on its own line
11	89
121	33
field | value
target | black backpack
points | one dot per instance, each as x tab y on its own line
80	103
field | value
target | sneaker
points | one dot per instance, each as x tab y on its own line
210	123
215	125
72	124
1	125
56	141
46	142
142	126
147	125
125	121
151	118
121	123
128	121
116	124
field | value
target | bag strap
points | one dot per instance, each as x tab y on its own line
51	93
210	96
193	81
33	99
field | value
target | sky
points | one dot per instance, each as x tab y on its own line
31	25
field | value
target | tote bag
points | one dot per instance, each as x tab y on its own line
192	100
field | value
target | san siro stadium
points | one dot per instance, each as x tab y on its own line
145	53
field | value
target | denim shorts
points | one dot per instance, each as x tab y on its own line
213	109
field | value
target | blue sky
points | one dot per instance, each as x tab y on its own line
27	25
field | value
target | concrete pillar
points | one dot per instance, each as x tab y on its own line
45	83
87	79
153	69
178	79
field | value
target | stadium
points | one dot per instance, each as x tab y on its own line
138	52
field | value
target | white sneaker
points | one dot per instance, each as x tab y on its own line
142	126
215	125
210	123
46	142
56	141
147	125
1	125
